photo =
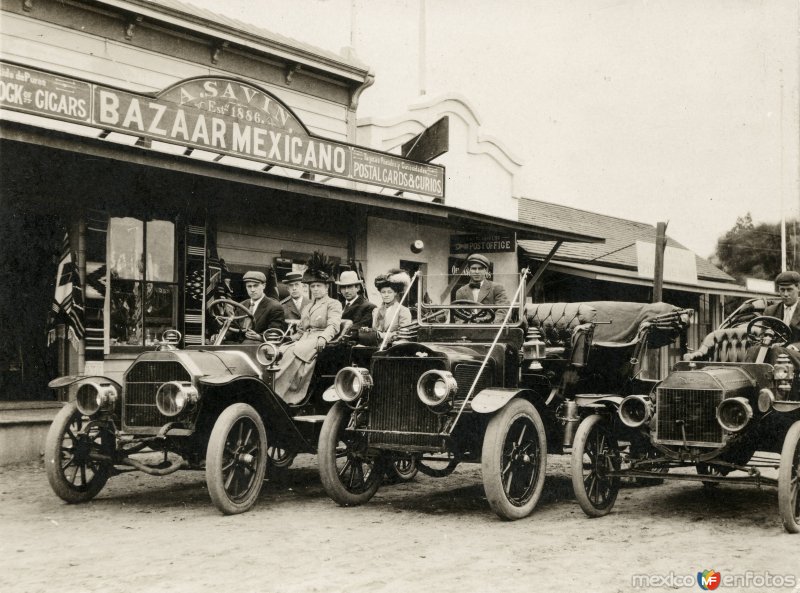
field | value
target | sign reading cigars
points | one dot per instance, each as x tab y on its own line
223	115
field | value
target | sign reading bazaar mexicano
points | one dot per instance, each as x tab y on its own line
218	114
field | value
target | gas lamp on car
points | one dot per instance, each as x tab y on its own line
534	349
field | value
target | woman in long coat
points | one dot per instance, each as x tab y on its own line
391	314
319	323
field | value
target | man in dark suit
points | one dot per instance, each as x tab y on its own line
480	289
356	307
294	304
787	284
267	312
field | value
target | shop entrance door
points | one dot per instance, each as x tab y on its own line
28	258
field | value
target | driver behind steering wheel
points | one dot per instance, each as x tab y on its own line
481	290
787	285
267	312
787	311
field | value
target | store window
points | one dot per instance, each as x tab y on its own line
143	285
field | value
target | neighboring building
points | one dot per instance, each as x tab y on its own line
162	139
621	269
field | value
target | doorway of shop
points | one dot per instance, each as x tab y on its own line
28	258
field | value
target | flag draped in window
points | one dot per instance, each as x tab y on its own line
67	307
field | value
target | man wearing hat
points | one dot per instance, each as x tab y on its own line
787	284
294	304
480	289
267	312
356	307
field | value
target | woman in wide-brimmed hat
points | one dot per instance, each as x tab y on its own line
391	314
319	323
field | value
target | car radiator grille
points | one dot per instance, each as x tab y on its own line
394	406
141	384
692	410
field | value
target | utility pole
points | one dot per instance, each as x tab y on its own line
658	270
422	47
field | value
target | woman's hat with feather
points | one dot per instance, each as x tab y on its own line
319	268
396	279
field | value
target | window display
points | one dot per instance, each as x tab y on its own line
142	280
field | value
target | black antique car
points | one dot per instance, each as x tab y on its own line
209	407
723	412
475	383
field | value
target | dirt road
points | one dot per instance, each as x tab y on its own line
146	534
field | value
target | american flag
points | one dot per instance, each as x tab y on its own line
67	306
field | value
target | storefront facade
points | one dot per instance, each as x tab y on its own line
149	153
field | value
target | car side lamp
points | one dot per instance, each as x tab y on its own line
534	349
783	374
268	354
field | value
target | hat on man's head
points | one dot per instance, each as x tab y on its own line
292	277
254	277
348	278
477	258
787	278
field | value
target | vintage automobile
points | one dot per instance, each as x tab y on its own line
210	407
475	383
720	412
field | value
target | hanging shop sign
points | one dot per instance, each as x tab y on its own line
490	243
218	114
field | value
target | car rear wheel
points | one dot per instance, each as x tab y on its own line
789	480
73	469
348	474
439	465
595	452
401	468
236	459
514	459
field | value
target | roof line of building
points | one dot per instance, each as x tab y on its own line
177	13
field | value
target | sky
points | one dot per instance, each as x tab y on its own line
684	111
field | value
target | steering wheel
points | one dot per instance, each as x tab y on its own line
472	315
771	327
225	318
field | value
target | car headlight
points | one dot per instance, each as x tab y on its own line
436	389
268	354
174	397
765	400
734	413
93	396
352	382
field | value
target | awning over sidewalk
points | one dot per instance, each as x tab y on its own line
25	141
623	276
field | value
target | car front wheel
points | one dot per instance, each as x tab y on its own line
236	459
595	452
73	448
514	459
789	480
348	474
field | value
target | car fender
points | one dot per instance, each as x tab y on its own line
330	395
786	406
68	380
594	400
274	411
491	400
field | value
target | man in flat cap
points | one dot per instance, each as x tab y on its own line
267	312
480	289
356	307
787	284
294	304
